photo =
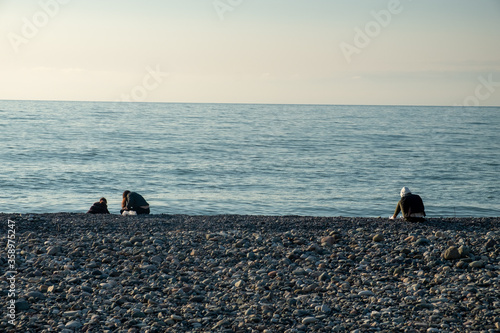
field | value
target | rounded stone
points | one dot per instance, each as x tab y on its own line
309	320
451	253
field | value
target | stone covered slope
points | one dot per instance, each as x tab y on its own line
179	273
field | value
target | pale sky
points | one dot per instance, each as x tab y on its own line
420	52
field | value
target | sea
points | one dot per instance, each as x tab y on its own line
249	159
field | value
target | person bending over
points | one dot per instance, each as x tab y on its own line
99	207
411	206
133	201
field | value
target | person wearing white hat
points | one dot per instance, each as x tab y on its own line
411	206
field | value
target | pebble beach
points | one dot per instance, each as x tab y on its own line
232	273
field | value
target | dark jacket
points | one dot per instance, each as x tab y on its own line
98	208
135	200
410	204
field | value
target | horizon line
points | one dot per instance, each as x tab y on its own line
241	103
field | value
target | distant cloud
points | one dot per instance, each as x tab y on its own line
69	70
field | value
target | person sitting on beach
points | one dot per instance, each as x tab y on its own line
134	202
99	207
411	206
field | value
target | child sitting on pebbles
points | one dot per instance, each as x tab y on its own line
99	207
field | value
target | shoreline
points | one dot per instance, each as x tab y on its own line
228	221
79	272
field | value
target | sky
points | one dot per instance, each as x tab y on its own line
353	52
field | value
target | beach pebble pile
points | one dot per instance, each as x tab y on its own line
228	273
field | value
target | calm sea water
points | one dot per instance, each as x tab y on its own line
249	159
